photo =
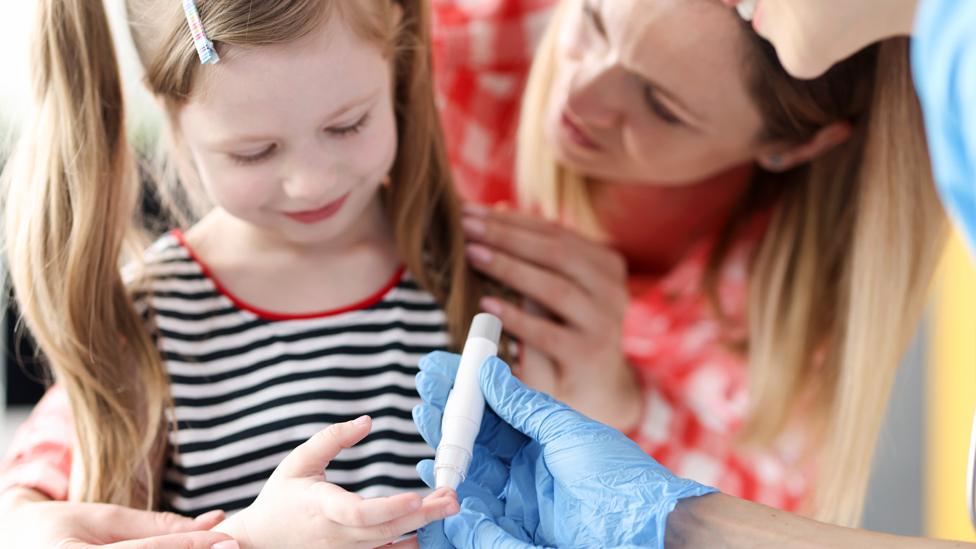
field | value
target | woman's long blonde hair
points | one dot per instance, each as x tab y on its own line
840	278
73	191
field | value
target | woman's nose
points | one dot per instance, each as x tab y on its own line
595	94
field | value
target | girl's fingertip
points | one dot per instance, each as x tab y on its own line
209	516
451	508
361	421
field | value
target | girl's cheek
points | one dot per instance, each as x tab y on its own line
242	193
373	152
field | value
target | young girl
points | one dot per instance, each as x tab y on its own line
330	262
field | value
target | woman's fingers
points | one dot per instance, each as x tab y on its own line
547	244
549	337
122	523
315	454
190	540
553	291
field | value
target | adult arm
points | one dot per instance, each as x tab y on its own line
725	522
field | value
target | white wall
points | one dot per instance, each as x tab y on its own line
16	23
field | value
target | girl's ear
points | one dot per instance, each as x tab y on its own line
781	157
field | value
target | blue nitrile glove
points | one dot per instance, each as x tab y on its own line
571	482
944	64
489	467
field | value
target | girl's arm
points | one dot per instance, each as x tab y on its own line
39	457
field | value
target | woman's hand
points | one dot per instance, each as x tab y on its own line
30	520
299	508
570	324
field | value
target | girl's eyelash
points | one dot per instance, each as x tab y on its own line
350	130
254	158
344	131
660	110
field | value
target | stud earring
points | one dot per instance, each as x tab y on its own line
775	161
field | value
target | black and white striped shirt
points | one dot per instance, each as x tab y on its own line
249	386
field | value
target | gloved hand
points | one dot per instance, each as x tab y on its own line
543	474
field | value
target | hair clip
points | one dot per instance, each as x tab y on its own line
205	48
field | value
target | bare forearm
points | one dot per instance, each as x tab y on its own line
16	495
724	522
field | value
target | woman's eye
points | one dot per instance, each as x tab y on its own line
254	158
345	131
659	110
595	19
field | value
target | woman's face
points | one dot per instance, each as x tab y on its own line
651	91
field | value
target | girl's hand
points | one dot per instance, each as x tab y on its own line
29	520
299	508
570	326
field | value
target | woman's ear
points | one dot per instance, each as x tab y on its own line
784	157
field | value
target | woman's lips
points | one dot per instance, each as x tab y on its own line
577	135
309	217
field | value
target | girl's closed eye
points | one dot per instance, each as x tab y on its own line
255	157
352	129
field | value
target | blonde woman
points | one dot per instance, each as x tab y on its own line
745	240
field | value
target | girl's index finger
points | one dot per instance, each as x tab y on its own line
349	509
436	506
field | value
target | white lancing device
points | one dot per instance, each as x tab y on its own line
465	404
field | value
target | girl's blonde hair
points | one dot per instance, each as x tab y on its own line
840	278
73	192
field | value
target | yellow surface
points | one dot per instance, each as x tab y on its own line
951	396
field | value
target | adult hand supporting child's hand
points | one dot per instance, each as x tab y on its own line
29	520
299	508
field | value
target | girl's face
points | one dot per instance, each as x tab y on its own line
295	139
651	91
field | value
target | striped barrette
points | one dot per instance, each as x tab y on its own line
205	48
